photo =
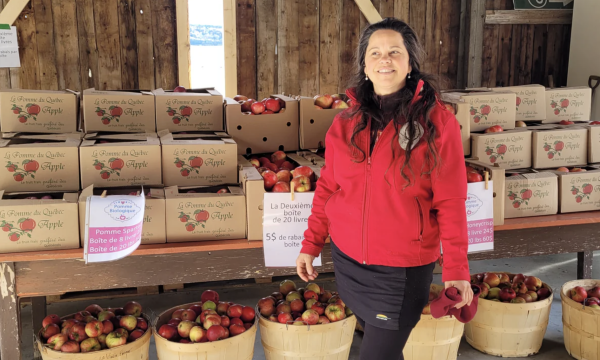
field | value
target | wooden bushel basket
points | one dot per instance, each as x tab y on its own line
434	339
315	342
137	350
240	347
581	324
509	330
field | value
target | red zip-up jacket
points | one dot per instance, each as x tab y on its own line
370	214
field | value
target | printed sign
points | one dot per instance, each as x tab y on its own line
284	223
480	216
113	227
9	47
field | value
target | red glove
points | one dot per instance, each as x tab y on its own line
444	304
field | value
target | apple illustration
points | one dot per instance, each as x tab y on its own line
27	224
116	163
33	109
185	110
22	119
201	215
31	165
116	111
196	161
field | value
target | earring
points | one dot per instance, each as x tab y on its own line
409	75
366	77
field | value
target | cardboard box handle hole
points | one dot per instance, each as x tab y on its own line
289	124
239	127
494	194
265	139
312	121
248	151
260	207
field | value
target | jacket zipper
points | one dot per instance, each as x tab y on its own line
367	199
420	219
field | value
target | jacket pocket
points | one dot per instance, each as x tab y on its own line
329	198
420	218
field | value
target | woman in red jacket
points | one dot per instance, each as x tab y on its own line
393	187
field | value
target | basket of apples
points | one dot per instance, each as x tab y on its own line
96	333
580	301
512	314
302	323
421	345
282	175
208	329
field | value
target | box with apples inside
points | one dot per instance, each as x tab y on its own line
593	142
559	145
268	173
189	109
530	193
316	116
578	188
96	329
460	109
209	328
477	183
263	126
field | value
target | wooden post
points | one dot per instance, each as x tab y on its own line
38	313
462	39
230	47
183	43
10	332
475	44
585	260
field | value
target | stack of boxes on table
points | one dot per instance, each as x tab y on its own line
192	162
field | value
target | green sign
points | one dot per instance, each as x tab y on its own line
543	4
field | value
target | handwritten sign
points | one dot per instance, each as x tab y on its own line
9	47
113	226
284	223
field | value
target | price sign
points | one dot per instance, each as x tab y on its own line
9	47
113	226
480	216
284	223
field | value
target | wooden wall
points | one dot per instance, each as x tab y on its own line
524	54
300	47
106	44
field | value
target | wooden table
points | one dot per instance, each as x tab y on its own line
38	274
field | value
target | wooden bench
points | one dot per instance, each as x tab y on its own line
39	274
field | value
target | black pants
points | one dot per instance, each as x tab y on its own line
383	344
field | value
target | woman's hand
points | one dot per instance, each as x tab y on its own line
304	267
464	289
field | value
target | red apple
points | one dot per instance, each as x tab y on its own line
205	313
473	177
51	319
94	328
142	324
297	305
272	167
281	186
198	334
304	170
319	308
578	294
235	311
270	179
57	341
135	334
176	322
209	295
106	315
325	296
107	327
594	292
188	314
257	108
284	307
225	321
533	283
310	294
222	308
128	322
77	333
310	317
543	293
301	183
211	320
167	331
335	312
50	330
287	286
248	314
278	157
284	318
247	105
216	332
284	175
266	306
507	294
323	320
566	122
179	89
287	165
116	338
491	279
132	308
235	330
309	303
235	321
240	98
495	128
197	308
70	347
324	101
94	309
273	105
339	104
255	163
80	316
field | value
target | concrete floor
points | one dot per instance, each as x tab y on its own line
554	270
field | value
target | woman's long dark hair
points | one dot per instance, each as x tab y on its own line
404	111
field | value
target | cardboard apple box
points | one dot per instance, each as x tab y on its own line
38	224
555	147
531	194
579	191
314	123
154	228
40	163
203	160
530	101
195	109
114	136
496	174
574	103
39	111
123	161
254	188
593	143
313	158
204	214
263	133
509	149
487	108
461	111
118	111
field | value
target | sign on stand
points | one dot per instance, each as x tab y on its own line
284	223
9	47
480	216
113	226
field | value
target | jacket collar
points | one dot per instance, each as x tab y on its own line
351	93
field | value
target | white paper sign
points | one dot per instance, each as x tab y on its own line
113	226
284	223
9	48
480	216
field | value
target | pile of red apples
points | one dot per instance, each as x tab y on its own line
265	106
473	175
94	329
508	288
334	101
207	321
281	175
303	306
590	297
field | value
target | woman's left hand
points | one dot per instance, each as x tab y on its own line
464	289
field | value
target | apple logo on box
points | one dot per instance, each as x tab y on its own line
473	204
122	210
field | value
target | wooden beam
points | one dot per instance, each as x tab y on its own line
12	10
183	43
368	10
475	44
462	39
528	17
10	347
230	47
